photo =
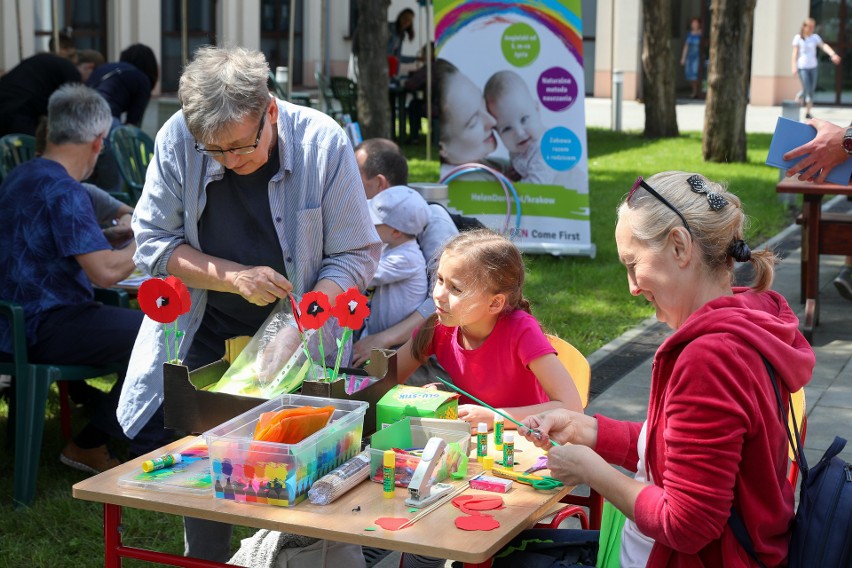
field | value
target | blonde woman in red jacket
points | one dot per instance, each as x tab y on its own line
712	438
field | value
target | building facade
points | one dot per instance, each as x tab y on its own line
322	30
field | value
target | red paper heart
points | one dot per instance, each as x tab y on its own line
391	523
478	503
477	523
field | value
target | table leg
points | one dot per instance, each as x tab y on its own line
810	257
112	536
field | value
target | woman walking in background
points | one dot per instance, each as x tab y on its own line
804	62
691	56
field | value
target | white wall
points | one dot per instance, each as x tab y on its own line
775	24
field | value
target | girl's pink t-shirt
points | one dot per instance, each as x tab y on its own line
497	372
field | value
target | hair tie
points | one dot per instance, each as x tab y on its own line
739	251
698	185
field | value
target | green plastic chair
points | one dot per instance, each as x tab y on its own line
15	149
329	104
346	92
31	387
133	150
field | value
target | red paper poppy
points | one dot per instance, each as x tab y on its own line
163	300
296	315
315	309
350	309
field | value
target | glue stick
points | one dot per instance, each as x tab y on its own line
498	433
167	460
509	450
481	441
388	473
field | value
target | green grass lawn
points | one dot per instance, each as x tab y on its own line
583	300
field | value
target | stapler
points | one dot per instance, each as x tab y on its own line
421	491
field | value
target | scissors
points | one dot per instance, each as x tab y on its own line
540	464
541	483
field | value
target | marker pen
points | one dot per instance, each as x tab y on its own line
161	462
388	473
481	441
498	433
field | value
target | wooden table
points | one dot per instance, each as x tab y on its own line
822	233
433	535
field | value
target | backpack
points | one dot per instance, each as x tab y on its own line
462	222
822	527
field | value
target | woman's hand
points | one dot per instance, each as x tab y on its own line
562	426
574	465
261	285
474	414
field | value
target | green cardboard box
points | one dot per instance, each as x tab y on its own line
403	400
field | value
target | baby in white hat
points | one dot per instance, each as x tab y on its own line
399	285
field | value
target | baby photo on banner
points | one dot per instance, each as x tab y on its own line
512	134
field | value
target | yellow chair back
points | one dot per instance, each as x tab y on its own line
576	365
797	406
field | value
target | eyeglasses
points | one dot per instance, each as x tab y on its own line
641	183
239	150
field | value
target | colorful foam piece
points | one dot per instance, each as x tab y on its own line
391	523
291	425
477	523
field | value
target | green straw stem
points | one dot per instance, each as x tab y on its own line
341	342
488	406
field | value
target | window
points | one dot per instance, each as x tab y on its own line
275	33
201	30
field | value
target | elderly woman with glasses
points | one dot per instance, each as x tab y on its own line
247	199
712	441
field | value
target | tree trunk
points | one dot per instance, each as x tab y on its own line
373	77
658	64
728	80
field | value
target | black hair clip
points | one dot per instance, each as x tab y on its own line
698	185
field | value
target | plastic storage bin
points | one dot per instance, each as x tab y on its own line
406	464
281	474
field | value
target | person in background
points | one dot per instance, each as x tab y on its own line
126	85
712	440
399	285
398	31
483	334
51	251
690	58
26	88
831	147
247	200
416	109
383	166
805	62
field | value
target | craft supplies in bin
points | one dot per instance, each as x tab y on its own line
408	439
281	474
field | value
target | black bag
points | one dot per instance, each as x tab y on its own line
462	222
822	528
549	548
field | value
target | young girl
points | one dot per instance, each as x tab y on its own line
483	334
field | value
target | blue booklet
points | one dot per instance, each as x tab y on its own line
790	134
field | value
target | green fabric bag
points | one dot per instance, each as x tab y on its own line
609	546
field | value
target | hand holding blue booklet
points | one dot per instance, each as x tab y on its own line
790	134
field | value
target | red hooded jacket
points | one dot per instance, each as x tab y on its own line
714	436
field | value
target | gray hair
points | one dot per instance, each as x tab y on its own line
222	86
77	114
714	232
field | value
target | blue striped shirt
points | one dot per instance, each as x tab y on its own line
318	206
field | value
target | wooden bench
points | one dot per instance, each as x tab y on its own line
822	233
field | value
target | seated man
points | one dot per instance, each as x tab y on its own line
52	250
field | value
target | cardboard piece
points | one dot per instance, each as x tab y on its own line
404	400
189	408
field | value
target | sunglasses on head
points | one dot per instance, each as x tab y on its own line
641	183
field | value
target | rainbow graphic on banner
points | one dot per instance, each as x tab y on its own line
562	18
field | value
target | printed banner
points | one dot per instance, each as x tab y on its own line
512	137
